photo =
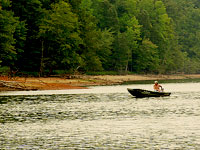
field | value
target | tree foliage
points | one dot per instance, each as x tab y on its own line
12	35
141	36
60	38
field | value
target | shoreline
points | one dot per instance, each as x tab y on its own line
79	81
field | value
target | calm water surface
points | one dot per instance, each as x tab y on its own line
104	117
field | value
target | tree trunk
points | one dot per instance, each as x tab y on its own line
42	60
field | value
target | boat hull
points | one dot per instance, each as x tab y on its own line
145	93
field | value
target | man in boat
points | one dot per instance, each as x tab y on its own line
157	87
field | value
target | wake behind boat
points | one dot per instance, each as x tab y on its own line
146	93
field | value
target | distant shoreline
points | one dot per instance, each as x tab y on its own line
79	81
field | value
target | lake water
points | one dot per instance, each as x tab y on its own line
103	117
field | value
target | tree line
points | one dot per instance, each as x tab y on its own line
140	36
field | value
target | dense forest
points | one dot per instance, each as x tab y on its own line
67	36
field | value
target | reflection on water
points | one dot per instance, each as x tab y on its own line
105	118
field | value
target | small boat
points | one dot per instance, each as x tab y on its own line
145	93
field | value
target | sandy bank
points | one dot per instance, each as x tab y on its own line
79	82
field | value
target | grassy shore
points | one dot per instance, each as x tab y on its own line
78	82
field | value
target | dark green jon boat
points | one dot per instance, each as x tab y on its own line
145	93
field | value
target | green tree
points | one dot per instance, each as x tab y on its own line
104	51
96	42
12	35
106	14
30	12
60	38
126	44
147	58
185	15
158	27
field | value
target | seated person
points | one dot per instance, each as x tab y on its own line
157	87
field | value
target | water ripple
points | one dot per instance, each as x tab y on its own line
100	121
